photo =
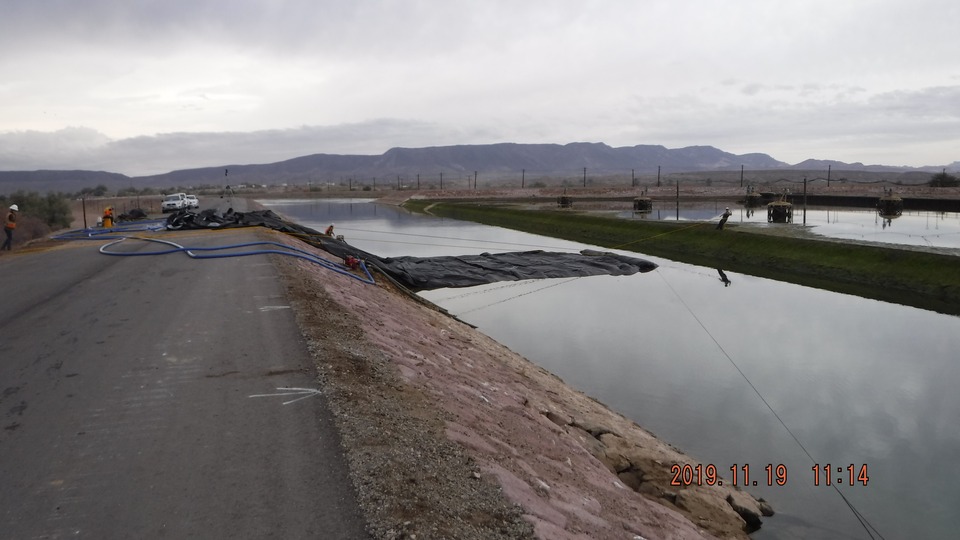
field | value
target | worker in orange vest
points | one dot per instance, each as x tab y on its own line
9	225
108	216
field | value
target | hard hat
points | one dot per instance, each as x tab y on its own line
15	208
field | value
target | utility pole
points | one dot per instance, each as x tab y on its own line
584	177
741	176
658	176
633	178
398	182
418	181
678	199
474	180
828	175
523	177
441	180
804	200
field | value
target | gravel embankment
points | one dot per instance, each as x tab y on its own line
449	434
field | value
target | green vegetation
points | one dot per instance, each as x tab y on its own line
39	214
52	209
920	279
98	191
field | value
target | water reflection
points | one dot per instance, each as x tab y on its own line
723	277
857	381
917	227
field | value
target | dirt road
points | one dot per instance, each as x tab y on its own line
130	401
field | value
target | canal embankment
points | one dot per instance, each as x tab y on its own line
450	434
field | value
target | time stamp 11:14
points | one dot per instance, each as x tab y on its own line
771	475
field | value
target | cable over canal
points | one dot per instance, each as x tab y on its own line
867	526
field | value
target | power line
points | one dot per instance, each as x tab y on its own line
867	526
519	295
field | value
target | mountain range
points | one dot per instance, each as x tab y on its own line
490	161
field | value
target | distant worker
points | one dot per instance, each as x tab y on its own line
723	218
108	217
329	231
8	226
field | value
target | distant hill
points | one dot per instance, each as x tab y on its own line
491	161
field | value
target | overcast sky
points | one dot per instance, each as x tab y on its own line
141	87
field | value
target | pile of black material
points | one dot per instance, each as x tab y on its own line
207	219
427	273
210	219
134	214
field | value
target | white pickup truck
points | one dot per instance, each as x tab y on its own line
173	202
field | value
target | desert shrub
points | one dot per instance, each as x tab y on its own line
54	210
942	179
29	228
98	191
51	209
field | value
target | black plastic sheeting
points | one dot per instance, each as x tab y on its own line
427	273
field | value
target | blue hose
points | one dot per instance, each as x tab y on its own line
116	235
110	232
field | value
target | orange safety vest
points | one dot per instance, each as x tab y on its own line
11	221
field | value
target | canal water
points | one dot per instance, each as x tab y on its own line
913	227
737	371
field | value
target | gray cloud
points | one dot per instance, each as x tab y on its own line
897	123
852	80
85	148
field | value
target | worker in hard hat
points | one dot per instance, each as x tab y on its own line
9	225
108	217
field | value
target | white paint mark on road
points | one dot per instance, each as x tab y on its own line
304	393
273	308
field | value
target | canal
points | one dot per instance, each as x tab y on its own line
737	371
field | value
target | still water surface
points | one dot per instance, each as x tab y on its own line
915	227
857	382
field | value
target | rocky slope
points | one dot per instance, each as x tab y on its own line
452	435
